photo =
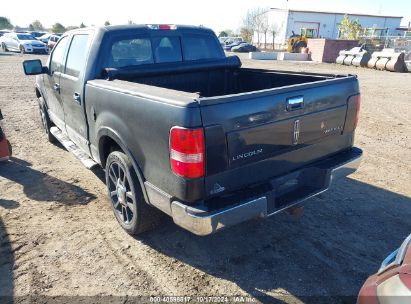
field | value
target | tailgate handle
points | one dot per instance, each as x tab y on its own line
295	103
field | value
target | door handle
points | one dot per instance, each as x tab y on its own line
76	97
295	103
56	87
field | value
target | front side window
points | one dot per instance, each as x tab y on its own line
76	58
56	63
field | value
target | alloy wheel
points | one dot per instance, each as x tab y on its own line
121	194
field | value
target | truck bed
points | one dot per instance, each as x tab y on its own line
220	78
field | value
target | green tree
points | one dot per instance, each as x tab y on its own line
37	25
5	23
58	28
31	27
82	25
223	34
226	33
349	29
107	23
71	27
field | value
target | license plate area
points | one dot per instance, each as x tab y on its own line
295	187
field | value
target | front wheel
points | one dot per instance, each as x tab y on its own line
127	200
46	122
4	47
22	49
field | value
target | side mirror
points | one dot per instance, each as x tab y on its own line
34	67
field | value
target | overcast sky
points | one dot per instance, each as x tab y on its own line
218	15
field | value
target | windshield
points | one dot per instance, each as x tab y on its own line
25	37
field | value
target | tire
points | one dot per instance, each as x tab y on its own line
22	50
46	122
132	212
298	46
4	47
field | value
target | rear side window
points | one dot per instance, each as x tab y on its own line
76	58
167	49
56	63
128	52
200	47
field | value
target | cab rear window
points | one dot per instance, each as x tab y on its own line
167	49
127	52
196	47
131	51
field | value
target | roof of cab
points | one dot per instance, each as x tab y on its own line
143	28
152	27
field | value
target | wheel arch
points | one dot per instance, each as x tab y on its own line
109	139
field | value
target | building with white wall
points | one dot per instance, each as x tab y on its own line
326	23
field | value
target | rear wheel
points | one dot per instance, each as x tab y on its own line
4	47
127	200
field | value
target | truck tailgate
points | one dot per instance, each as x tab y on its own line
255	136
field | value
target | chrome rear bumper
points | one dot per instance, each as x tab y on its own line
203	222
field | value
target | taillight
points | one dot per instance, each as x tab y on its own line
187	152
357	112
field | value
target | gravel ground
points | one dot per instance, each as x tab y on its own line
58	236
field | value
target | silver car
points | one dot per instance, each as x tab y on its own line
22	42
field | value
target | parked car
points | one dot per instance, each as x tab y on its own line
228	47
244	47
23	43
2	32
181	128
37	34
52	41
222	40
5	147
392	282
230	40
44	38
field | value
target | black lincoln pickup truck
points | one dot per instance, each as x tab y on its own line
181	128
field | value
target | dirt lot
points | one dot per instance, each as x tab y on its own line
58	236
